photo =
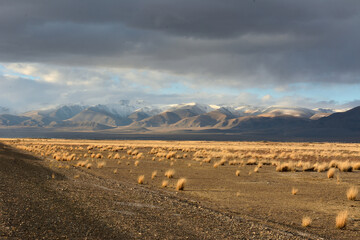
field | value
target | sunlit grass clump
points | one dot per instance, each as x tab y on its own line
341	219
306	221
180	185
352	192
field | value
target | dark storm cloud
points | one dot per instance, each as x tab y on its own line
235	43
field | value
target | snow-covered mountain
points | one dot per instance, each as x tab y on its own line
126	113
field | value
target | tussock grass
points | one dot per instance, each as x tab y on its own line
345	166
294	191
136	163
164	183
89	165
101	164
170	173
352	192
76	176
356	166
153	174
306	221
180	185
237	173
331	173
115	171
286	167
140	179
341	219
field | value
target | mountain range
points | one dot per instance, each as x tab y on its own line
139	117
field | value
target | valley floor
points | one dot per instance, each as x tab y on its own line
42	198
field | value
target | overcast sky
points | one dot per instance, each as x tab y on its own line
259	52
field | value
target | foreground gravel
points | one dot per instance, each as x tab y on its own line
38	202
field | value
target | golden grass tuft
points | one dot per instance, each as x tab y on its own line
341	219
88	166
153	175
76	176
345	166
256	169
115	171
356	166
180	185
331	172
351	193
101	164
140	179
285	167
306	221
294	191
164	183
170	173
136	163
237	173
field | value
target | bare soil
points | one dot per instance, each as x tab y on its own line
42	198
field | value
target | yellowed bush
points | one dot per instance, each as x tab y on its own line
331	172
164	183
101	164
341	219
306	221
140	179
345	166
180	185
153	175
170	173
352	192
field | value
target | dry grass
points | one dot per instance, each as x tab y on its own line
352	192
286	167
180	185
356	166
88	166
237	173
345	166
76	176
331	172
101	164
115	171
306	221
153	175
170	173
164	183
341	219
136	163
294	191
140	179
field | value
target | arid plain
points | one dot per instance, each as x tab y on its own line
296	190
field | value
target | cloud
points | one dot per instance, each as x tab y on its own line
234	43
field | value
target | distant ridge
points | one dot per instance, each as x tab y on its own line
126	116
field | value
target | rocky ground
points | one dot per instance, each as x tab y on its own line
38	202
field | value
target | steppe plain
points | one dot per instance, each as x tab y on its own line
90	189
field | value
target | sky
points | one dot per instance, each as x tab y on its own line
251	52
